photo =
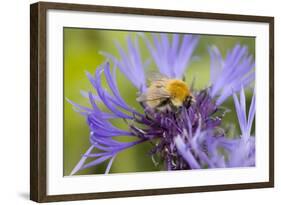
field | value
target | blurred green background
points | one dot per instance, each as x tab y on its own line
81	53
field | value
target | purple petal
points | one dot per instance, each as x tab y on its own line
186	154
109	164
240	113
252	112
229	75
82	161
80	107
96	162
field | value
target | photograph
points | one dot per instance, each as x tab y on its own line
130	102
140	101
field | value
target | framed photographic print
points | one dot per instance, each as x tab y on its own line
134	102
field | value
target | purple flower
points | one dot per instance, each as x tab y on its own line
172	57
102	131
244	152
187	126
130	64
189	138
201	148
229	74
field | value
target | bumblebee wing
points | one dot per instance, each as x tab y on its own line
142	97
155	76
153	95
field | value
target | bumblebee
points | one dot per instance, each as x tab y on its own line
166	94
